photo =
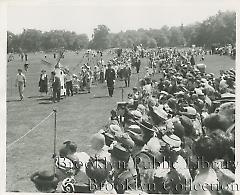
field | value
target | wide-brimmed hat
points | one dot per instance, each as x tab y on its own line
226	97
189	111
115	129
109	138
160	112
119	152
45	181
125	140
173	141
135	128
137	115
147	126
136	137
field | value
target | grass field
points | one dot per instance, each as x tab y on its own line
78	117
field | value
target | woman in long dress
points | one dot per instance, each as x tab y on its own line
43	82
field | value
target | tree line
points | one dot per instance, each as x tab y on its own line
219	29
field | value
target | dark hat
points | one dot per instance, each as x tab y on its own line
119	152
136	137
108	138
45	181
20	69
121	104
147	126
187	124
226	97
72	146
135	129
178	129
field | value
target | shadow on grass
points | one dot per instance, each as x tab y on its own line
36	96
82	92
45	98
13	100
94	97
47	102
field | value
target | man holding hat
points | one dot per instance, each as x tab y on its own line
20	83
110	77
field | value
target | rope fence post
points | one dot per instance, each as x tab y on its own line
122	94
55	139
11	87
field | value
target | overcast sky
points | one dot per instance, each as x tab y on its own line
82	16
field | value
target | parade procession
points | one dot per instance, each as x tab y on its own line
135	112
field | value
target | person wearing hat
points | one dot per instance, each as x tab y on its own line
20	83
56	86
98	170
113	129
45	181
43	82
148	130
126	73
174	167
122	162
122	112
110	77
88	78
26	66
69	84
78	158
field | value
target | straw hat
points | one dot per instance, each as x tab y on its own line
172	140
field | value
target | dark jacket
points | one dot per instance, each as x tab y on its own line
126	72
110	76
56	85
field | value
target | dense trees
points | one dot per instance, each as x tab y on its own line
35	40
218	30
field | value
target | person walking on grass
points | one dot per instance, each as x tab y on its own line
127	75
43	82
56	86
110	77
69	84
20	83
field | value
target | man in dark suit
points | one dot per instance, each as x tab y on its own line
56	86
127	75
110	78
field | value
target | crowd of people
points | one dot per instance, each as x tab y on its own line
174	135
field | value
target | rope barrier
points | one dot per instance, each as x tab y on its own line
30	130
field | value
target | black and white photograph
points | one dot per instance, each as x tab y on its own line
120	96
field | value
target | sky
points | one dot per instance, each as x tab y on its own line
83	16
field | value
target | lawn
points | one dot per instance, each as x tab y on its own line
78	117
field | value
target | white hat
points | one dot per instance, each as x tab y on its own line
160	112
172	140
115	128
189	111
136	114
